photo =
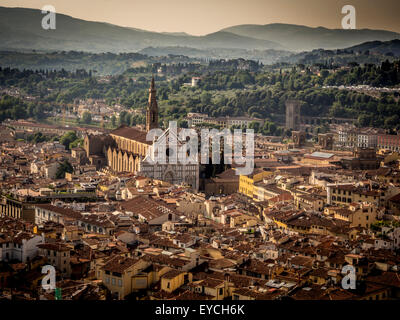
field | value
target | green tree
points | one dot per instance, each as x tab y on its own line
67	138
37	138
122	118
392	122
206	98
255	126
76	143
182	124
113	121
86	118
64	167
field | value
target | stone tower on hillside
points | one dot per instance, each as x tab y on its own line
293	114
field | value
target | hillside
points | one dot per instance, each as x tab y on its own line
302	38
20	29
365	53
379	47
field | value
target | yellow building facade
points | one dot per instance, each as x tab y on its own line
246	183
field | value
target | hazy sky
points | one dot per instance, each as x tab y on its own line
200	17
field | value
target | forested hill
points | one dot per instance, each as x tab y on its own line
364	53
385	75
225	89
303	38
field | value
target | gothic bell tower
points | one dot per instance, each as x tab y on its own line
152	108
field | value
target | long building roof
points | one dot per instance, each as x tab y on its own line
131	134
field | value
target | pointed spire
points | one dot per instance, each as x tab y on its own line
152	108
152	94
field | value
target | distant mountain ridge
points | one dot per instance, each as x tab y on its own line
302	38
20	29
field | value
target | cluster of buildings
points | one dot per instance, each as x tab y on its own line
128	149
344	134
200	119
116	226
98	109
21	129
193	83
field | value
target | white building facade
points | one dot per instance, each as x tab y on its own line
174	173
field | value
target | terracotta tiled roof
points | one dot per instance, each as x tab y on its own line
172	274
119	264
65	212
132	134
148	208
54	246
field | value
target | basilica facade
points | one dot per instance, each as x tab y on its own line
126	149
171	169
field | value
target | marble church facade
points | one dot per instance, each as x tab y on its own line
125	148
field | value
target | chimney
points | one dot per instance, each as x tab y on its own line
227	277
